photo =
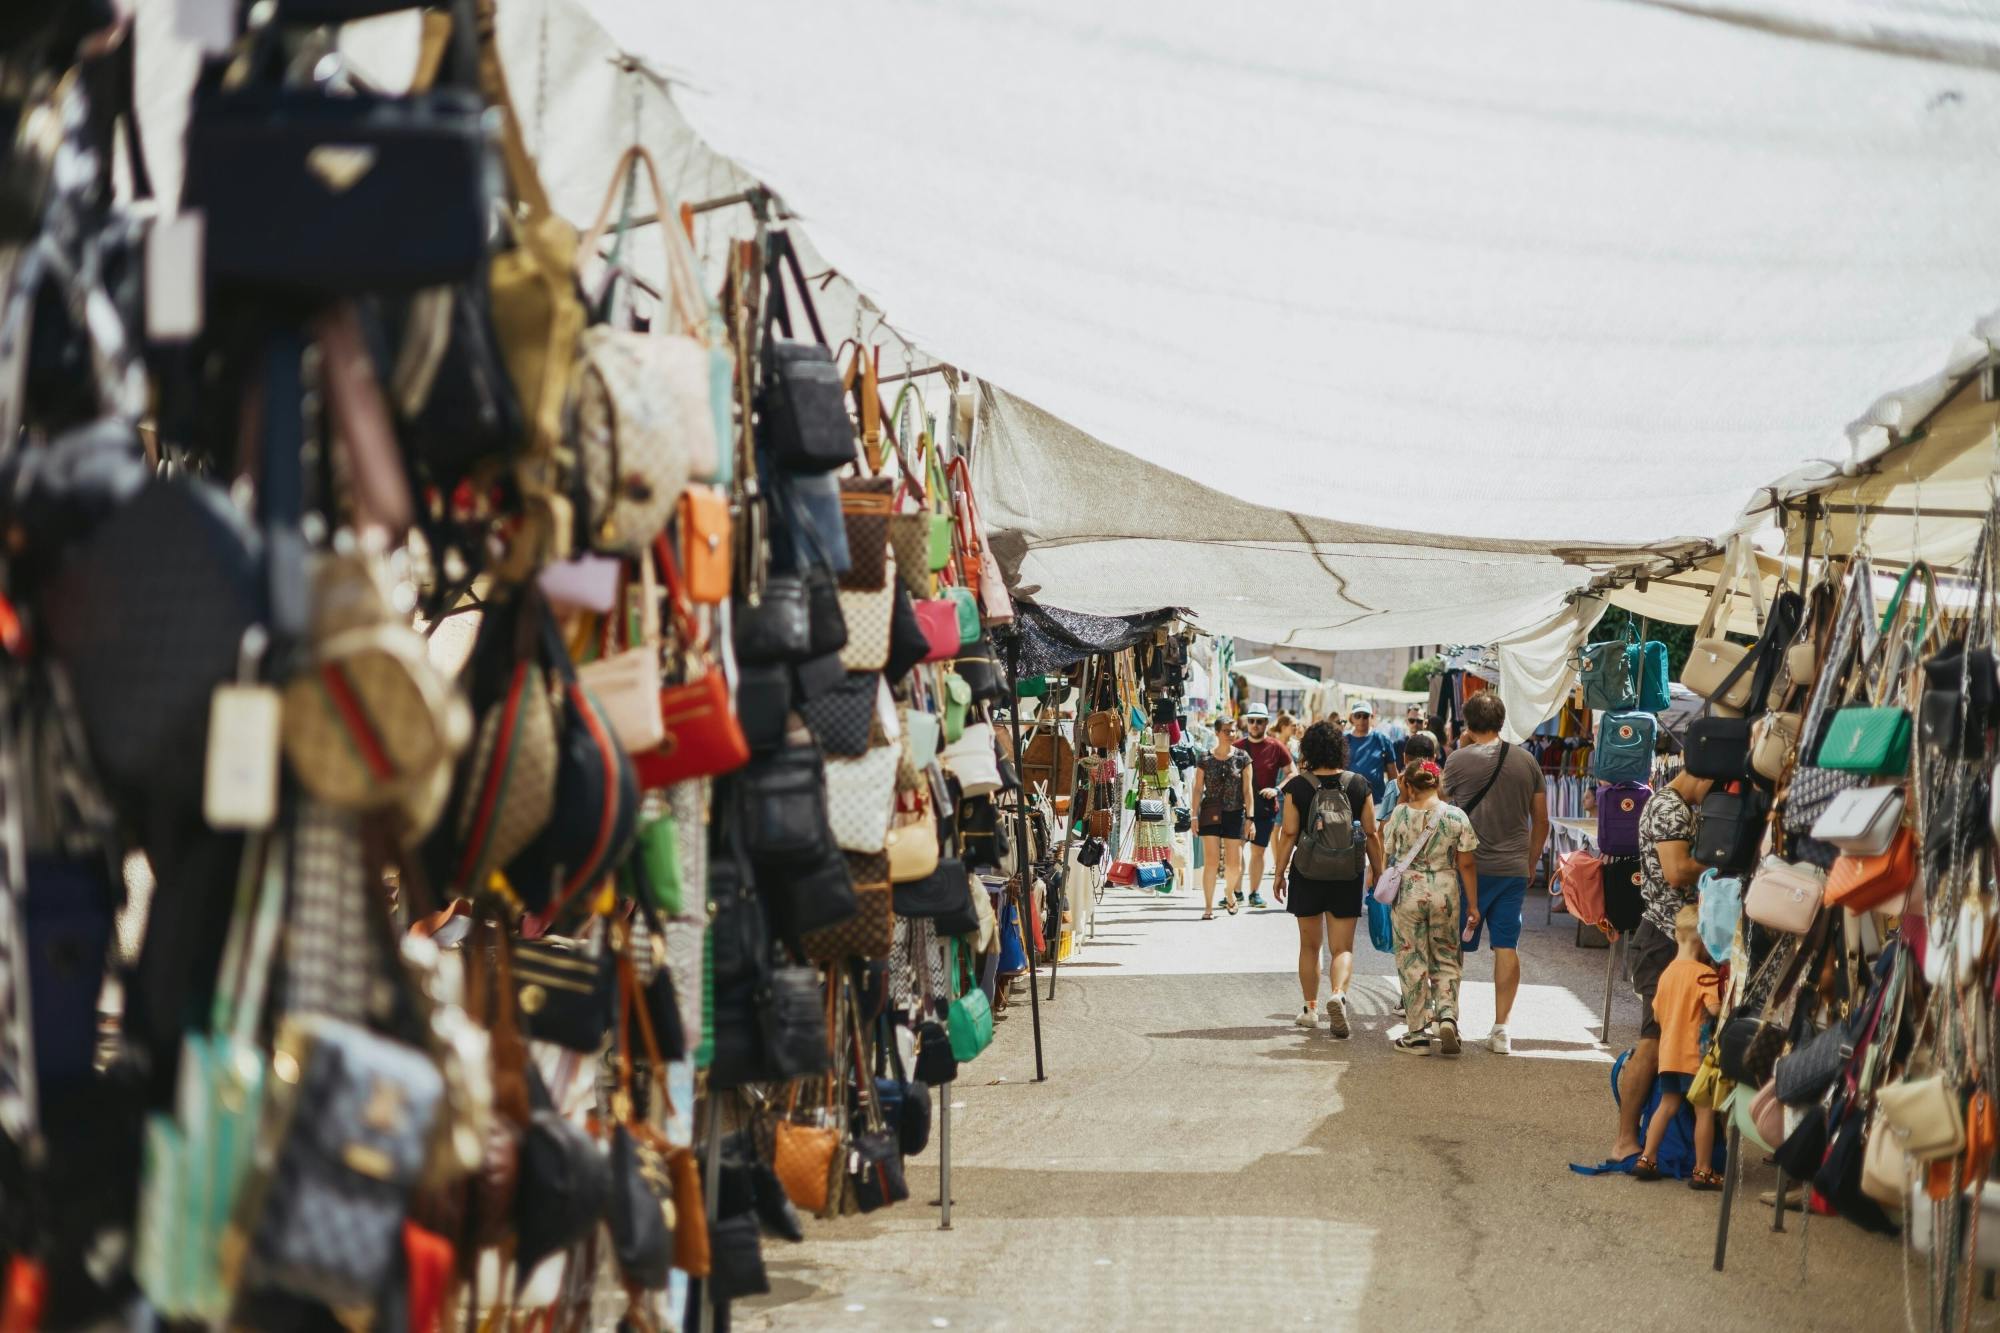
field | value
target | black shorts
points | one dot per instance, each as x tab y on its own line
1230	826
1267	820
1310	897
1646	958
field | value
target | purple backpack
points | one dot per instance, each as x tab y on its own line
1619	805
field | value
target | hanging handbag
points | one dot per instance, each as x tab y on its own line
1862	883
939	621
773	623
1784	896
704	738
626	682
706	544
1875	737
861	798
870	931
564	991
1720	911
784	808
981	672
842	719
1960	700
1731	829
969	1020
1862	820
1748	1043
912	842
802	419
944	898
805	1157
1624	749
1926	1117
868	617
1774	740
645	421
972	760
1712	666
1582	876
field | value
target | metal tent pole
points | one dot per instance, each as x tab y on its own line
1023	900
1730	1172
944	1158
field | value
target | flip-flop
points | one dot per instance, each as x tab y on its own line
1208	916
1231	908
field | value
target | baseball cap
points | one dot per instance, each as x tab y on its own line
1363	707
1256	711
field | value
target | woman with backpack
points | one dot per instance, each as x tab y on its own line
1222	802
1433	843
1326	844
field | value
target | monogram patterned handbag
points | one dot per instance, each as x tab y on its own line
869	933
861	797
868	616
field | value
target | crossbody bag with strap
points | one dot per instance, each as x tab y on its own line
1499	763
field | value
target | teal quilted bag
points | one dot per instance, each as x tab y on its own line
1868	740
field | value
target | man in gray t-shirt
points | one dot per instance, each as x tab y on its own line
1500	787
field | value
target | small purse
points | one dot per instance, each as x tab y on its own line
939	621
969	1019
802	419
563	992
1862	820
944	897
703	737
972	760
1926	1116
1732	826
773	624
1773	741
842	719
1784	896
1860	883
706	548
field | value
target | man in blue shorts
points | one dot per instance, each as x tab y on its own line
1500	787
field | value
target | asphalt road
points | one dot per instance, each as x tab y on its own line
1195	1161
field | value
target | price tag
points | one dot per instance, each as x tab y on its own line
174	277
240	778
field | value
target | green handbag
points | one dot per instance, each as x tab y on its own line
968	614
940	540
1034	687
957	703
969	1021
1875	737
656	869
940	499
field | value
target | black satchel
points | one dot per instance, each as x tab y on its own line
641	1241
1838	1179
774	625
944	896
563	992
842	719
937	1065
764	704
802	416
907	645
1959	702
1718	747
736	1259
784	809
795	1023
309	191
1092	851
981	671
1732	827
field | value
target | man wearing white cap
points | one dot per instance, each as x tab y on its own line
1270	762
1370	752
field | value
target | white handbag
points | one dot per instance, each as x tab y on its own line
861	798
1784	896
868	616
1713	657
645	412
1923	1116
1885	1167
972	761
920	737
1862	821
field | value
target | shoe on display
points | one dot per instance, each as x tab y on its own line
1336	1016
1413	1043
1448	1038
1498	1041
1307	1018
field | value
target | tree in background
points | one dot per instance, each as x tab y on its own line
1418	677
1678	638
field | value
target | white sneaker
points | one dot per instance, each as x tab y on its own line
1307	1018
1498	1041
1336	1015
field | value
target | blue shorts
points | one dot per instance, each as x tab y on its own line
1676	1083
1266	820
1500	901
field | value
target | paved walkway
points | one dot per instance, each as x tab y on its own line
1195	1161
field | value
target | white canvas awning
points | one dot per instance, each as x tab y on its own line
1268	673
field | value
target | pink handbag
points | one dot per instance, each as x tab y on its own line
938	618
1582	875
1783	896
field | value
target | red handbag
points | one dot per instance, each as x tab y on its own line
939	620
1122	872
704	739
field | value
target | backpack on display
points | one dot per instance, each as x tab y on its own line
1619	806
1607	673
1624	750
1655	692
1624	903
1327	846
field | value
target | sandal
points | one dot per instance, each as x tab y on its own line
1705	1179
1208	916
1645	1168
1230	907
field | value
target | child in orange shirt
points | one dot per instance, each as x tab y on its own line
1689	991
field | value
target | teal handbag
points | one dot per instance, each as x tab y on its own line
1606	673
969	1021
1380	933
968	614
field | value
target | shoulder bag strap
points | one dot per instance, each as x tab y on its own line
1499	762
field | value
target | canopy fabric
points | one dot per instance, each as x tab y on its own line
1596	271
1268	673
1053	639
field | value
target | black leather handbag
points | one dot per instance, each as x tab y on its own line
563	992
877	1176
1958	709
1718	747
774	625
563	1186
466	412
1091	852
795	1023
736	1259
907	645
784	809
981	670
816	897
1732	827
738	937
937	1065
303	190
641	1242
763	704
802	416
944	897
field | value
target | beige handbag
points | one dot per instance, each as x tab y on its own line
645	416
1773	739
1714	658
913	843
1923	1117
626	684
869	616
861	798
368	721
1885	1167
1783	896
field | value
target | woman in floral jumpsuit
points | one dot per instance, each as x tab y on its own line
1426	912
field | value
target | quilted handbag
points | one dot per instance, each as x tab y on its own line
861	798
868	615
842	719
1624	749
1872	740
1862	883
1783	896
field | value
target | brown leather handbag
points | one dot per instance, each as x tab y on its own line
806	1158
1104	730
